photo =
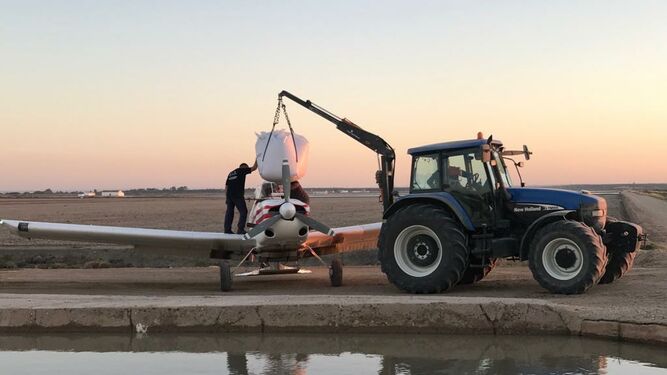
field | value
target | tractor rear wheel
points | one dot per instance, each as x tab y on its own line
422	249
567	257
475	271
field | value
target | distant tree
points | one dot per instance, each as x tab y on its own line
182	188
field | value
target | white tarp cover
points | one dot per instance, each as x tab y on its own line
281	147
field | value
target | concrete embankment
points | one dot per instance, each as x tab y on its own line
319	313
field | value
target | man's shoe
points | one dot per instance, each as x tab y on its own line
241	232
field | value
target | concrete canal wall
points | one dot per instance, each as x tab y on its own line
281	313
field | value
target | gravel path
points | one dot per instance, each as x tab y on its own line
649	212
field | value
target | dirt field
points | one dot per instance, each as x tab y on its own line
196	213
184	213
206	213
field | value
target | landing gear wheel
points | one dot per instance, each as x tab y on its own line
225	276
422	249
567	257
617	266
474	274
336	272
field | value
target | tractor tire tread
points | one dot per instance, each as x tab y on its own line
617	266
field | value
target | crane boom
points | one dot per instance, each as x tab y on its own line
387	157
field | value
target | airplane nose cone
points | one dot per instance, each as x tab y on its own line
287	211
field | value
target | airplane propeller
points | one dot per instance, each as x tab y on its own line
287	181
287	211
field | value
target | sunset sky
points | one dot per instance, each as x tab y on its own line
125	94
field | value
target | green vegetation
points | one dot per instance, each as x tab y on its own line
660	194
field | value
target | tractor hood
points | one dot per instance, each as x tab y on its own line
567	199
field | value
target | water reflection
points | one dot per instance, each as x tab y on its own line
327	354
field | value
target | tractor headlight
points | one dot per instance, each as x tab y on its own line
594	217
597	213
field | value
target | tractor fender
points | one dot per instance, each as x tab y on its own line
536	225
442	199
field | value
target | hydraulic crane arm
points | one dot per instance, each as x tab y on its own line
385	176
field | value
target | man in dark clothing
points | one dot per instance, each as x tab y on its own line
234	189
297	192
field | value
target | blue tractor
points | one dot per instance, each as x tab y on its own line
463	213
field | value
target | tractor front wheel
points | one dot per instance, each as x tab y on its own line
617	266
423	249
567	257
619	263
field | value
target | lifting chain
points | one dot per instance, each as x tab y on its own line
276	120
276	117
289	124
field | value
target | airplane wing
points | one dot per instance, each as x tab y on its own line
138	237
346	239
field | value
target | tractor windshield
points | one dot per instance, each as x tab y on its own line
466	178
502	170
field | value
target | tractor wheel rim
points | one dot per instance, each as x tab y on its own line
563	259
418	251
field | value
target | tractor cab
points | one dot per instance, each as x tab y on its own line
472	173
472	177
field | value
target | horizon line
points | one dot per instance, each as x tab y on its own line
314	187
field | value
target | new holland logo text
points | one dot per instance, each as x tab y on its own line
537	208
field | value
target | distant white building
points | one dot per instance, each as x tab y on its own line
112	193
90	194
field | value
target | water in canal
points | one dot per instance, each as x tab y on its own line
323	354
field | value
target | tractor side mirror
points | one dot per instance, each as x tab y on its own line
526	153
486	153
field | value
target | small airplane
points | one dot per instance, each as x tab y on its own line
282	231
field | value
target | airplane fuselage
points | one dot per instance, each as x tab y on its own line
283	238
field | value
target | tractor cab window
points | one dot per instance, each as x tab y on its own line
454	169
465	177
500	166
425	173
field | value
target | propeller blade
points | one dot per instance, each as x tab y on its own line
315	224
286	180
261	227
